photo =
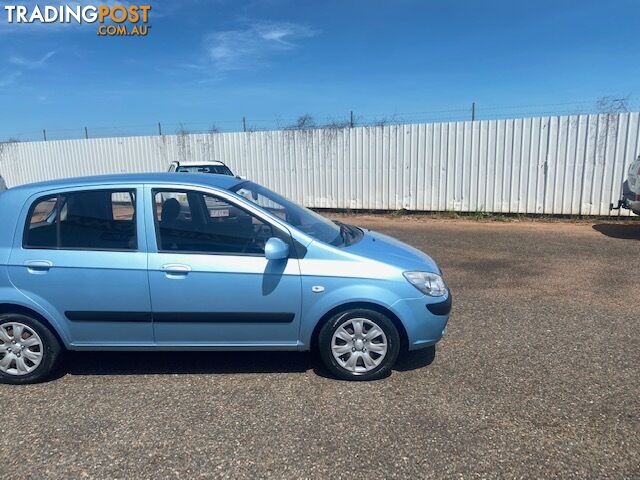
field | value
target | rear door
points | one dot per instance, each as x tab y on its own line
82	256
211	284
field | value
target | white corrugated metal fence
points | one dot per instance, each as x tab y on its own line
551	165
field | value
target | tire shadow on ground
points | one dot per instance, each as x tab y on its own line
412	360
624	231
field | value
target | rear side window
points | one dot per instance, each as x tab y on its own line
87	220
123	206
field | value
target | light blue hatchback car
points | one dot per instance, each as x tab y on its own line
203	262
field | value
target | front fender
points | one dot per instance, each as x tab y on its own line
339	291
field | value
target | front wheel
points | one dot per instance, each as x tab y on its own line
359	344
28	350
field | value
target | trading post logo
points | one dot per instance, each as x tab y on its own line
113	21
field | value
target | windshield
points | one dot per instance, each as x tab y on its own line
302	218
219	169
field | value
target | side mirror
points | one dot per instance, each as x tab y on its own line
276	249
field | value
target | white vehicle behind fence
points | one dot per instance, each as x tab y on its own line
214	166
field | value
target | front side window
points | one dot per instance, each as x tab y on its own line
308	221
196	222
87	220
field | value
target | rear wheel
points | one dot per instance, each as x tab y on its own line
359	344
28	350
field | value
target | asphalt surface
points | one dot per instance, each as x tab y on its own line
538	376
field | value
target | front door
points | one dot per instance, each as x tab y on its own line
82	257
211	284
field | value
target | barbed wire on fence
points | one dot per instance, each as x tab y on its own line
306	121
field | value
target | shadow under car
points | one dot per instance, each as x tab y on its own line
625	231
207	362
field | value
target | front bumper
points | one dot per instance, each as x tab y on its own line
424	319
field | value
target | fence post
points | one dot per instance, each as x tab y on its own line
473	111
44	134
351	122
159	129
86	133
244	124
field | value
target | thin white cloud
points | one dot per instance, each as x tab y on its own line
8	79
16	65
253	45
28	63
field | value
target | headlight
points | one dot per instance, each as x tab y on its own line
428	283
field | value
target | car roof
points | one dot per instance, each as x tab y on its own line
196	164
225	182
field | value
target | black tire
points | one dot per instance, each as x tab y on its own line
50	349
330	327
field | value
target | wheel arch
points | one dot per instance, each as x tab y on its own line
404	338
7	308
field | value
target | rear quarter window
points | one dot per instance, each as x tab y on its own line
42	209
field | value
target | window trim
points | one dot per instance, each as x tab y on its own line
156	224
130	190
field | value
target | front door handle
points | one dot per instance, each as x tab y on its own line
176	270
38	266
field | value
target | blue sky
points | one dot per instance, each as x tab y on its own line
209	63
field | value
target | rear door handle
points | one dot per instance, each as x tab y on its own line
38	266
176	270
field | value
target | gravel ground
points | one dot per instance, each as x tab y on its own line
538	376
